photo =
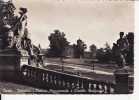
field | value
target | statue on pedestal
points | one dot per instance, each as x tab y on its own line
12	27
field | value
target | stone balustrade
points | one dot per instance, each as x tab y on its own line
49	79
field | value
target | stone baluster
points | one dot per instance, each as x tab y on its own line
108	88
86	85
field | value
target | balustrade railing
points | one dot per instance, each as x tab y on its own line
50	79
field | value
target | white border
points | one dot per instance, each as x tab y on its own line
92	97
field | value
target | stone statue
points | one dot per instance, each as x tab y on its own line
18	25
14	31
122	42
120	50
118	57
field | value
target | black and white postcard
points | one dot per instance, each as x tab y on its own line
67	47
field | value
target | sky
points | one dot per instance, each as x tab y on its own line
93	21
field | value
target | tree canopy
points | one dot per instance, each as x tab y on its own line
58	42
79	48
93	50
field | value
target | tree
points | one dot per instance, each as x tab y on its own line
104	54
93	50
81	46
107	46
100	55
58	42
108	52
75	50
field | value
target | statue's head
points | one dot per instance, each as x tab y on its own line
23	11
121	34
10	39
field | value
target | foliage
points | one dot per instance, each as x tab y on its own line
79	48
58	42
104	54
93	50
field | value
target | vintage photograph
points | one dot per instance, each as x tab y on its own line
67	46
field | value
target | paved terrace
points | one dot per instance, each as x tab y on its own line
9	87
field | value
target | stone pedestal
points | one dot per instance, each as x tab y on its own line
121	78
11	61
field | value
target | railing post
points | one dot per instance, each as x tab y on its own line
86	85
121	78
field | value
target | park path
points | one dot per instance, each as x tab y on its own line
81	68
99	73
81	65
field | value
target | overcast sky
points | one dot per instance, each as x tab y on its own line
93	21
